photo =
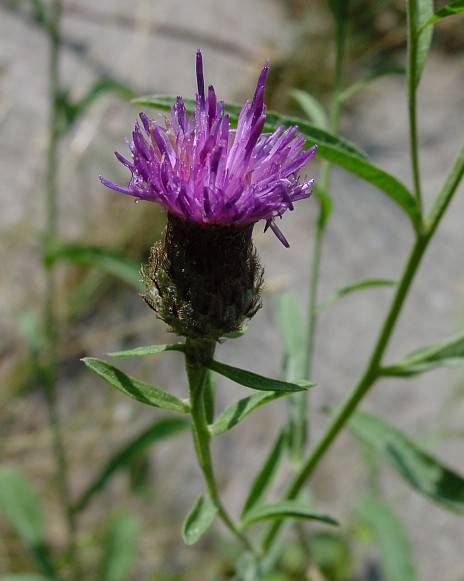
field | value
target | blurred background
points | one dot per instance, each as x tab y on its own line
114	50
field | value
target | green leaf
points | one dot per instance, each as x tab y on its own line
311	108
450	9
158	430
420	11
264	477
331	553
255	381
134	388
285	509
448	353
289	320
330	147
326	206
148	350
198	520
419	469
360	85
395	549
236	412
119	548
72	110
21	507
353	287
107	259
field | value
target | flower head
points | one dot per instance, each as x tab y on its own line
204	171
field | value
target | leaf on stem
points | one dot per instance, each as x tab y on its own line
448	353
198	520
285	509
264	477
450	9
423	472
21	507
423	11
395	549
158	430
107	259
353	287
311	108
255	381
236	412
134	388
148	350
119	548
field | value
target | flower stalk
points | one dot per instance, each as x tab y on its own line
197	353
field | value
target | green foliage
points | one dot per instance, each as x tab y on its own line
148	350
108	260
423	472
447	353
419	12
285	509
198	520
450	9
332	555
158	430
353	287
395	550
360	85
119	548
21	507
311	108
263	479
255	381
134	388
236	412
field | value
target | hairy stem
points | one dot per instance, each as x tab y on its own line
197	353
49	376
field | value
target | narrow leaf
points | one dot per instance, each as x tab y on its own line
285	509
21	507
311	108
419	469
198	520
255	381
360	85
395	549
419	12
119	549
134	388
158	430
353	287
107	259
264	477
289	319
448	353
236	412
148	350
326	204
450	9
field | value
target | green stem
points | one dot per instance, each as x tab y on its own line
197	353
412	86
326	169
365	383
49	377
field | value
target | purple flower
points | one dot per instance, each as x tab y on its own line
203	171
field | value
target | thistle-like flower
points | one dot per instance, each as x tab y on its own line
215	182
